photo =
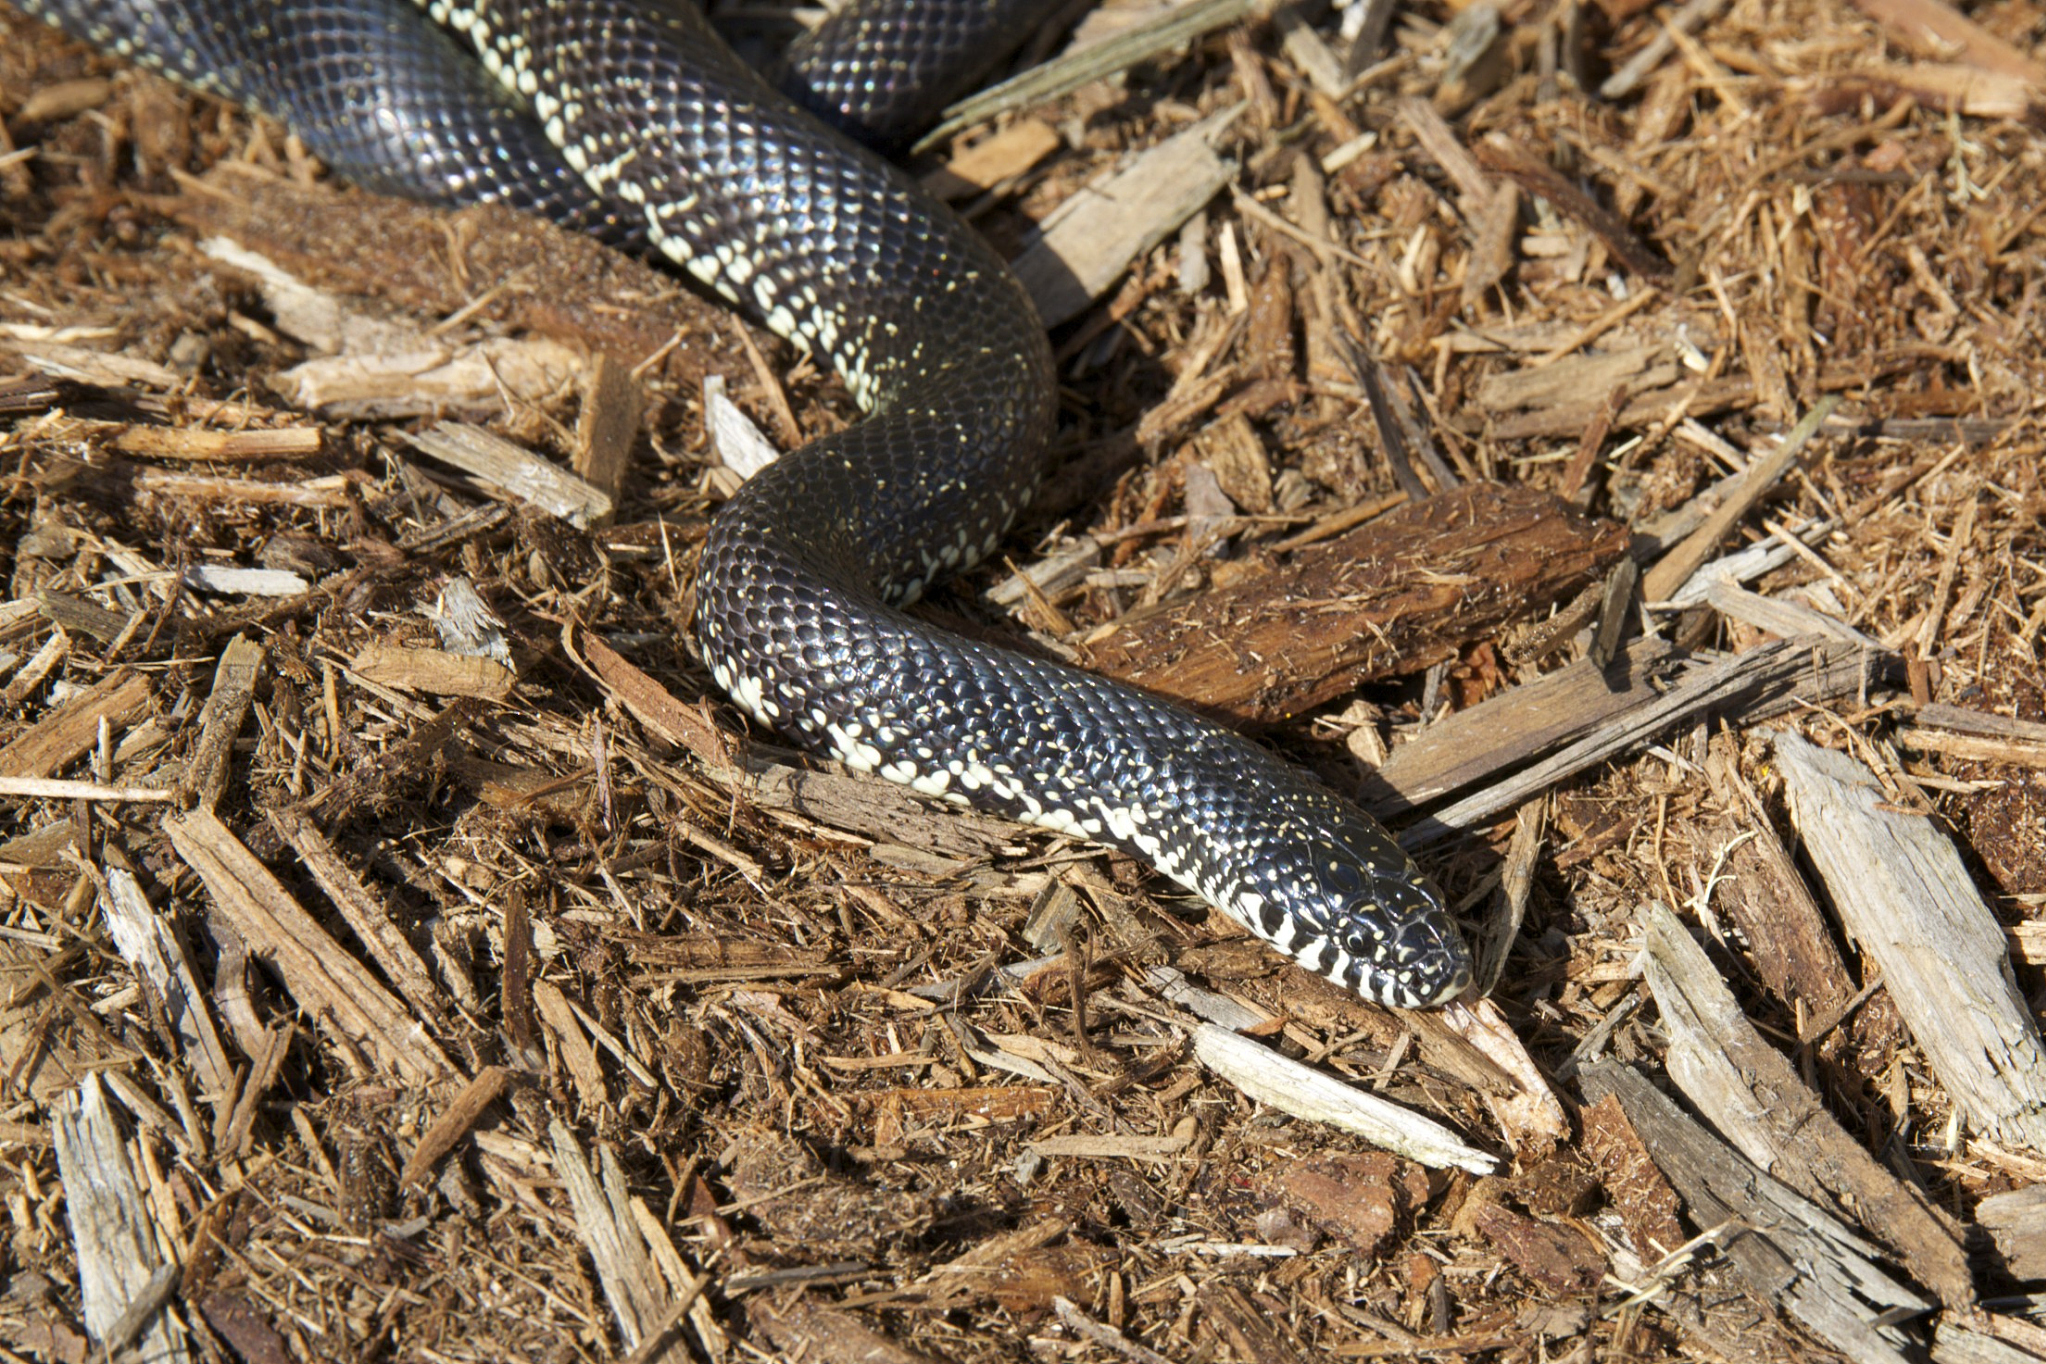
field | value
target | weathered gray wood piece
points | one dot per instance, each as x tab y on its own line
117	1260
1905	898
1752	1094
1792	1253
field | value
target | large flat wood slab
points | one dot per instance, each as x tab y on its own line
1393	596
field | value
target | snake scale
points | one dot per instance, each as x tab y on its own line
633	119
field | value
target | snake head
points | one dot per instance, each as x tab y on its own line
1348	904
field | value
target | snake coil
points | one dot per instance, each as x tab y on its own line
664	137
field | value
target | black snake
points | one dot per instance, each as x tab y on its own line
666	139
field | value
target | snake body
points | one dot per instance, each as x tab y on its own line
673	141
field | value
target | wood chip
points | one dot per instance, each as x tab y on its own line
1088	62
154	953
520	473
1674	568
433	671
1792	1254
1516	726
1643	1198
454	1123
328	983
111	1228
230	447
1093	236
210	764
366	914
1755	685
571	1043
1558	1258
1084	1147
1764	893
327	493
1395	595
613	404
987	163
1289	1086
1935	29
1360	1198
1905	897
1442	146
1756	1100
69	732
604	1221
1501	155
430	261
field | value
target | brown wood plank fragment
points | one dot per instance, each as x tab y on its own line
1643	408
196	443
245	492
227	706
572	1044
1442	146
987	163
1934	29
1492	251
1558	1258
1645	1201
1676	567
1755	685
69	732
454	1123
613	404
662	713
1358	1198
1565	381
325	981
1390	597
1515	726
365	912
805	1331
1940	85
82	616
879	810
243	1326
1789	940
1503	156
1972	747
1962	720
433	671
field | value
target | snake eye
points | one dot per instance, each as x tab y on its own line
1342	879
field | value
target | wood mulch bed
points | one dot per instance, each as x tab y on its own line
1605	439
